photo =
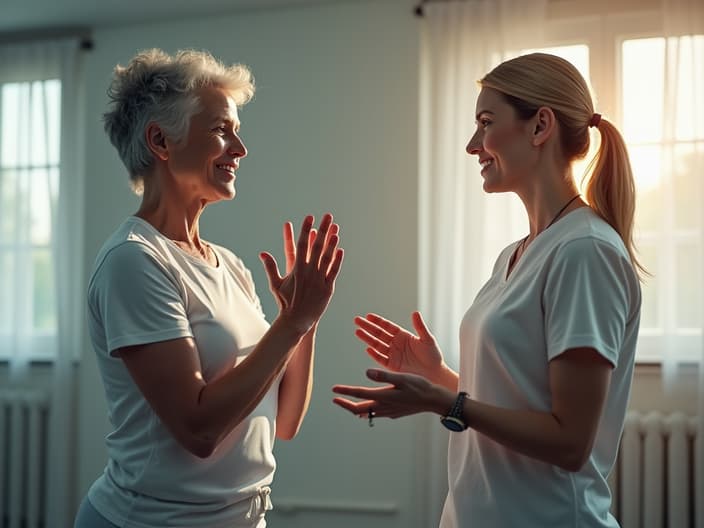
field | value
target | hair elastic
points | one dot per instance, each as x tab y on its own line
595	120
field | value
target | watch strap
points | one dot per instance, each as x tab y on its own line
454	418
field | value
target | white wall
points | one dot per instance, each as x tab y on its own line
333	127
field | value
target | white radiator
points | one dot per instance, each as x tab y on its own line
653	483
23	435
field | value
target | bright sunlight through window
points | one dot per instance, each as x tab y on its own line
29	179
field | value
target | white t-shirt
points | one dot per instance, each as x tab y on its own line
145	289
573	287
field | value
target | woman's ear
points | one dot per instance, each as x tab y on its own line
544	125
156	141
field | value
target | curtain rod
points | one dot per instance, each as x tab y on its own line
418	9
84	36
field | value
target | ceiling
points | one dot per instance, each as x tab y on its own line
18	16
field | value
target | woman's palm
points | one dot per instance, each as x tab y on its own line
396	348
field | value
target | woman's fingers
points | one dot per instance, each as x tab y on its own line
335	265
318	247
289	246
302	243
271	268
372	341
366	393
320	239
311	239
361	408
328	254
377	356
372	330
420	327
385	324
396	379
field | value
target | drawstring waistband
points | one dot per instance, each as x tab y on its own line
259	503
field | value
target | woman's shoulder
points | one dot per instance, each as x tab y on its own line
584	230
134	242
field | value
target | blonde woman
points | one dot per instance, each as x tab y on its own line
198	384
547	347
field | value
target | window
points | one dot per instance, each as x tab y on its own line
29	186
667	147
650	85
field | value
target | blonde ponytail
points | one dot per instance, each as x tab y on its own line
611	189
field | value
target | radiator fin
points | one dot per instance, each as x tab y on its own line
653	481
23	441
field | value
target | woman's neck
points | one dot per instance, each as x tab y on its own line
172	215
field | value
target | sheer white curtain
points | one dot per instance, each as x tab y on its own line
683	146
462	229
42	184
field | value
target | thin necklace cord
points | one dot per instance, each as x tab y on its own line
562	210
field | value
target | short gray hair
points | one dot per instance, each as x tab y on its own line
156	87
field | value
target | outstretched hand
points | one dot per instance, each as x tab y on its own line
397	349
312	266
404	395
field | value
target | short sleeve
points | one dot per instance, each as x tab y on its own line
588	298
137	299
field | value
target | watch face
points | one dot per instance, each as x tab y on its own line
453	424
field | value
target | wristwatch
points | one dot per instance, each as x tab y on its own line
453	419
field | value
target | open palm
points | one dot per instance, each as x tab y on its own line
397	349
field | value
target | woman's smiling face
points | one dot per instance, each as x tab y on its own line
204	164
502	143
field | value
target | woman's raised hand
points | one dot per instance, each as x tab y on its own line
312	266
397	349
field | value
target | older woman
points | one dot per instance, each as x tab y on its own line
198	384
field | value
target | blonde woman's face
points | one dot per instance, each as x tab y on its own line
502	143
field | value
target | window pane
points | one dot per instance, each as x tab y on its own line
6	277
649	317
646	162
643	65
689	287
10	145
53	120
8	202
577	54
44	313
43	188
687	183
686	55
30	123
